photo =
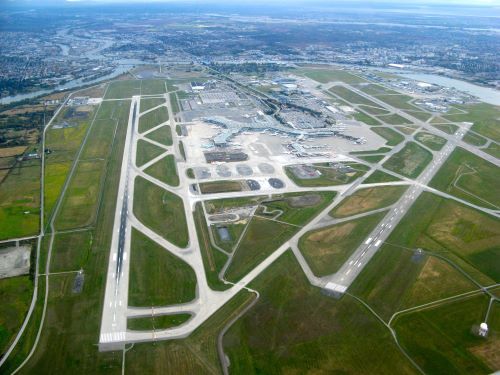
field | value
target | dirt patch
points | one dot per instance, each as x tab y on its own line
489	352
14	261
12	151
304	200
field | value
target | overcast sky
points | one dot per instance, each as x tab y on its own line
241	2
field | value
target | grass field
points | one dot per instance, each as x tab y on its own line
174	103
153	86
485	119
20	200
15	294
299	208
162	135
394	119
260	240
157	322
123	89
213	187
434	142
493	149
447	128
217	205
71	329
148	103
374	90
161	211
196	354
374	110
474	139
398	278
327	249
379	176
407	129
55	175
329	176
352	97
329	75
367	199
165	171
146	152
80	202
71	251
158	278
213	259
381	150
372	158
152	119
410	161
235	231
398	101
422	116
393	137
369	120
329	336
440	339
469	177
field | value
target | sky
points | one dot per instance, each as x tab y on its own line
241	2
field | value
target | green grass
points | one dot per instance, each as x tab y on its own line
196	354
162	135
410	161
213	259
123	89
420	115
161	211
372	158
296	213
260	240
174	103
71	251
295	329
447	128
165	171
157	322
398	101
440	339
20	200
190	173
474	139
153	86
146	152
329	75
71	328
478	180
407	129
434	142
369	120
493	149
152	119
374	110
329	176
103	131
327	249
394	119
368	199
379	176
397	278
15	294
393	137
352	97
235	231
213	187
381	150
55	175
79	206
157	277
484	117
374	90
148	103
181	150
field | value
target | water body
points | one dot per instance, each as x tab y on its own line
485	94
125	66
